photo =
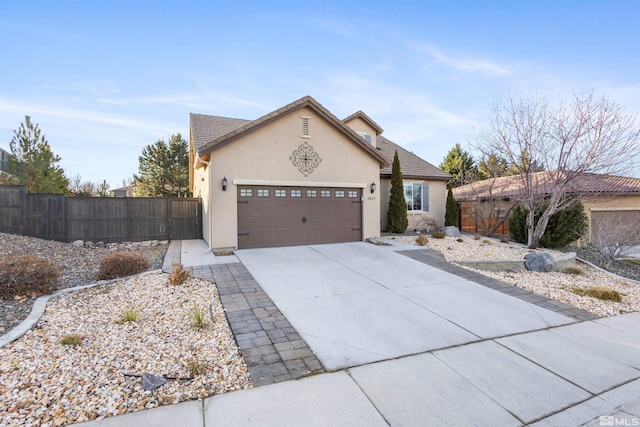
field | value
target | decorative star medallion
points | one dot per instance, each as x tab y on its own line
305	159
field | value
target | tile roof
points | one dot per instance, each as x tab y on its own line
585	184
412	166
225	130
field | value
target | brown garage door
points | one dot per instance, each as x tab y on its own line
607	225
288	216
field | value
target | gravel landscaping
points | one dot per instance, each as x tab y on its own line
558	286
79	266
43	382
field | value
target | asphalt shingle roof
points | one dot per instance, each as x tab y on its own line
411	165
206	128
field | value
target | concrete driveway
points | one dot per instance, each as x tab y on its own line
357	303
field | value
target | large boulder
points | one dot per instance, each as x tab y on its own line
541	262
451	231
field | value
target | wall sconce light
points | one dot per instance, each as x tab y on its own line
373	187
224	184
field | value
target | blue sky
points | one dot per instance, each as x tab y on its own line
103	79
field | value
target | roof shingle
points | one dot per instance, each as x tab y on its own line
411	165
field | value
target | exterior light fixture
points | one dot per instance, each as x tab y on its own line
373	187
224	184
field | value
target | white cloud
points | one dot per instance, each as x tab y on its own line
471	65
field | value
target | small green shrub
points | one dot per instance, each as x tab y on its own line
122	264
422	240
564	226
574	269
599	292
438	234
195	368
72	340
198	317
129	315
460	239
179	275
26	275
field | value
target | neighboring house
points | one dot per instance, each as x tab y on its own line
123	191
4	161
298	175
606	199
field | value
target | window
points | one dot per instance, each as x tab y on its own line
312	193
365	136
281	193
263	192
353	194
246	192
339	193
296	193
325	193
416	195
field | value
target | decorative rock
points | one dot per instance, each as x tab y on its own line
151	381
540	262
78	243
451	231
89	244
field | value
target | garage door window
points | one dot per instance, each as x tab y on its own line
353	194
339	193
296	193
246	192
325	193
312	193
263	193
281	193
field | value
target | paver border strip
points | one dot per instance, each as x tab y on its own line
436	259
272	349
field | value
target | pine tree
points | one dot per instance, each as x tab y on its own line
33	162
460	165
163	169
451	215
397	221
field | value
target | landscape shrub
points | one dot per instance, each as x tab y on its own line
564	226
451	213
438	234
121	264
26	275
422	240
72	340
574	269
179	275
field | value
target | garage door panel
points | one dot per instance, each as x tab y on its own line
265	220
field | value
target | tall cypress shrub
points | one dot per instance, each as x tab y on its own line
397	221
451	214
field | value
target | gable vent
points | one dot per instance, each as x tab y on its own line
305	126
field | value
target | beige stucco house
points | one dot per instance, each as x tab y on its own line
299	175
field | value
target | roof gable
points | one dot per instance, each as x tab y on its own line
224	130
366	119
411	165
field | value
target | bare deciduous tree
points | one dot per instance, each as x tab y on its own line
614	235
578	136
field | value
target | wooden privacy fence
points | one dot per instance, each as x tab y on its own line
99	219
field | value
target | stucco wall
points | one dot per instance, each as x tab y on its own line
359	125
437	204
263	158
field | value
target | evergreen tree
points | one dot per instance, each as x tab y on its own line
397	221
451	215
103	189
163	169
33	163
460	165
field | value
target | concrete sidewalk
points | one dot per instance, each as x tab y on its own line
511	364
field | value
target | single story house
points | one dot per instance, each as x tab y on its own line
299	175
607	199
